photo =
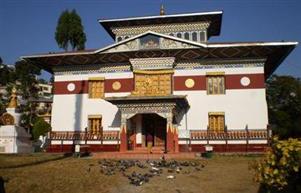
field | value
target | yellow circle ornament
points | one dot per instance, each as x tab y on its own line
189	83
116	85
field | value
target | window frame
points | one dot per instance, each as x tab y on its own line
90	82
91	130
212	75
217	127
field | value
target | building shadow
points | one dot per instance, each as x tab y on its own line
66	155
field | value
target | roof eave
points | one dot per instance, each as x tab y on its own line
105	22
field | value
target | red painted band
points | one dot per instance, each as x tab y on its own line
232	81
127	85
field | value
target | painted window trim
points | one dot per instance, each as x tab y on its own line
215	74
96	79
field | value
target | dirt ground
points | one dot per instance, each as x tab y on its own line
53	173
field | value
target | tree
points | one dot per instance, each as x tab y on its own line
26	75
284	105
7	74
70	31
40	127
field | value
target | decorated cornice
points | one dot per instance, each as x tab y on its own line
215	64
92	69
152	63
161	28
157	63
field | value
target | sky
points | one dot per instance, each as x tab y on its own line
27	27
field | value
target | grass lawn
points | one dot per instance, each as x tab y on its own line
44	173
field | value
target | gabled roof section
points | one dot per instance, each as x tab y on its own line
214	17
132	44
273	52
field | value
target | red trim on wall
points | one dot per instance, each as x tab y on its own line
233	81
90	148
182	148
199	82
61	87
127	85
225	147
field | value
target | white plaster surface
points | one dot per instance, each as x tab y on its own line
14	139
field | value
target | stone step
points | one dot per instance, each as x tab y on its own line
142	156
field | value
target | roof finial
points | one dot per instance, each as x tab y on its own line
162	11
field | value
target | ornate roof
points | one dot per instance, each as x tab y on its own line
214	17
273	52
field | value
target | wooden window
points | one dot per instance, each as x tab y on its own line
216	122
215	84
94	124
96	88
179	35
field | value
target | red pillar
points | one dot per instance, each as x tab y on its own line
176	140
169	139
123	140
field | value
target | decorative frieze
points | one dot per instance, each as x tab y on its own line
149	42
216	64
152	84
92	69
152	63
160	28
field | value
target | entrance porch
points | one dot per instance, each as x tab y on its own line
142	126
155	116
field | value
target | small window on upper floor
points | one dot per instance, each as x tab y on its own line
171	34
96	88
179	35
215	84
202	36
119	39
194	36
186	35
216	122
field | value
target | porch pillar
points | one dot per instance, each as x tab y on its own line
176	139
169	136
123	137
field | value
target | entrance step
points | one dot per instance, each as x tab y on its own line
155	150
142	156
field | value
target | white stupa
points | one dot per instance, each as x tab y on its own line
13	137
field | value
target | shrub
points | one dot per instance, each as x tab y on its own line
40	127
280	168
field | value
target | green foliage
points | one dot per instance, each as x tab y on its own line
7	74
26	75
280	169
284	105
40	127
70	31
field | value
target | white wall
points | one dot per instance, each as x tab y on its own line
70	112
241	108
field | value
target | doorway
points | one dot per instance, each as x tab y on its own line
154	125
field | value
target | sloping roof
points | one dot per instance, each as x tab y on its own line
274	52
214	17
